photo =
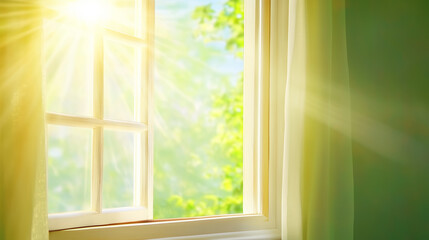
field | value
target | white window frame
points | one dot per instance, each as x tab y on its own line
260	219
142	209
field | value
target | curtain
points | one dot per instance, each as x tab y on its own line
317	184
23	210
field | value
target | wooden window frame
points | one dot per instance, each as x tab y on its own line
260	201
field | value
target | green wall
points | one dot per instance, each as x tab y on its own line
388	51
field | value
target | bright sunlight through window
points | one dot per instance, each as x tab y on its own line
144	110
89	11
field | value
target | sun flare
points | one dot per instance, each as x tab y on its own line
90	12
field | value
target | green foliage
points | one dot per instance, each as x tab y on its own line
226	25
227	107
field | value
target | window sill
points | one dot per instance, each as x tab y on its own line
218	227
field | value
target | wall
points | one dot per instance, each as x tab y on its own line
388	54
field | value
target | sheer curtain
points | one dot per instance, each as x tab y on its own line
317	187
23	211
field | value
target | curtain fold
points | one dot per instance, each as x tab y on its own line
23	211
318	199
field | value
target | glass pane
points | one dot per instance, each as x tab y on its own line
198	140
118	169
69	169
119	80
68	68
121	16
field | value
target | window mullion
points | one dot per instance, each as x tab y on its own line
147	32
98	106
125	38
138	103
77	121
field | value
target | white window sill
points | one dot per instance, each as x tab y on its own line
244	235
221	227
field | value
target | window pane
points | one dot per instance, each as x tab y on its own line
198	136
68	68
121	16
69	169
118	173
119	80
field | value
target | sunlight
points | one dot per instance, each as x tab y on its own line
90	12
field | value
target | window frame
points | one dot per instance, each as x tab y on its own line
260	201
142	125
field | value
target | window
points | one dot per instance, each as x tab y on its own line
97	86
108	114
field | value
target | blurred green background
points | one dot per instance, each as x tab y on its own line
388	55
198	143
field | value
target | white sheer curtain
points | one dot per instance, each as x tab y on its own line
23	211
317	199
